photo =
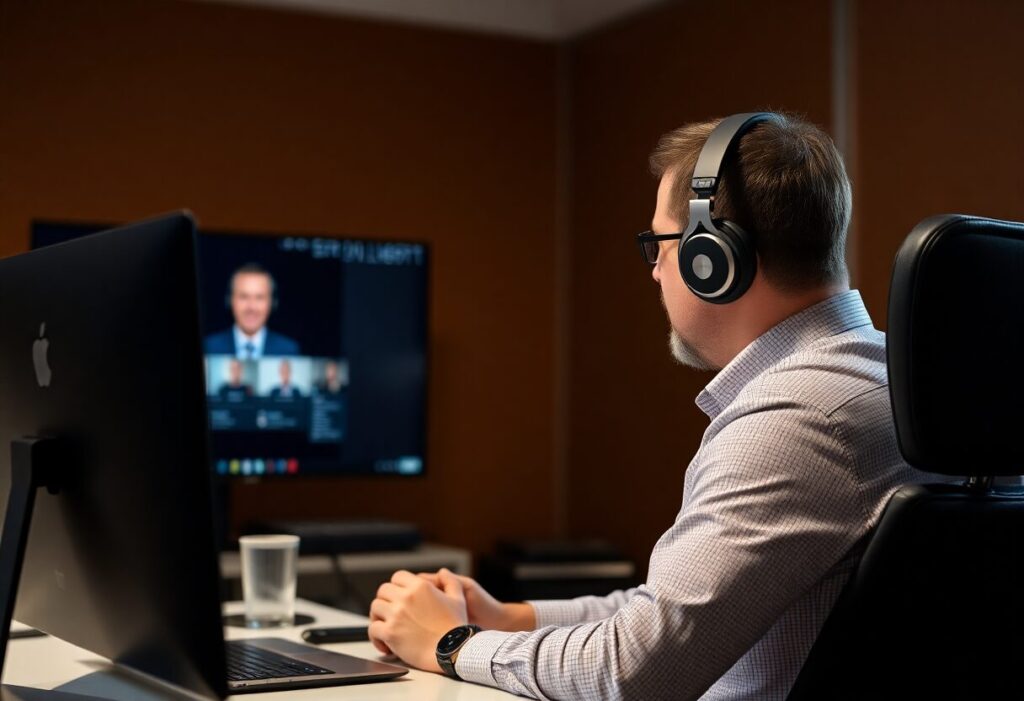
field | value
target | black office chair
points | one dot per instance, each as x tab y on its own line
935	609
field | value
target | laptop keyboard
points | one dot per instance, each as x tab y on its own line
248	662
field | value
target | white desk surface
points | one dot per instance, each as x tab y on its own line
49	663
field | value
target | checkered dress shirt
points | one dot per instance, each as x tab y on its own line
793	471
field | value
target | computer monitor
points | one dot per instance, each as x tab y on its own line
108	534
315	352
100	352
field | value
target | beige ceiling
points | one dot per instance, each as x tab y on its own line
538	19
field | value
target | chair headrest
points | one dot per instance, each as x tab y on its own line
955	346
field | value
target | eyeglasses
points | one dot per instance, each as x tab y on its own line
649	244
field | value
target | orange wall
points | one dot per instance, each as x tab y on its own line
939	116
633	423
281	122
505	155
935	115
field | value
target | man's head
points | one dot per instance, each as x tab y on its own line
252	297
787	187
234	372
331	373
284	371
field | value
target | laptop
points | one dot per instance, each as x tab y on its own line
100	354
266	664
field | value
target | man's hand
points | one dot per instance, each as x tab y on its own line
483	609
410	615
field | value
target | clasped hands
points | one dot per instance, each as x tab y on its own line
412	613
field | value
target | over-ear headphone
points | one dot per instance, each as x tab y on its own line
255	269
717	258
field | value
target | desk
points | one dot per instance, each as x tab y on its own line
46	662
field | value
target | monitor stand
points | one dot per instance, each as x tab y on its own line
34	463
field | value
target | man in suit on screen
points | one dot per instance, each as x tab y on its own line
252	296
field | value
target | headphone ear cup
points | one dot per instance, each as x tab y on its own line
745	256
718	265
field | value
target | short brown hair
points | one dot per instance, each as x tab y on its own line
252	269
794	200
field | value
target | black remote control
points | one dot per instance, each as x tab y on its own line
322	636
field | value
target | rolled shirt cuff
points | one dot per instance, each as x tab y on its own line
474	661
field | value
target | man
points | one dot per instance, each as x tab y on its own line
794	469
285	390
251	297
332	383
234	390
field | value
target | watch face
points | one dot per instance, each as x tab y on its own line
453	639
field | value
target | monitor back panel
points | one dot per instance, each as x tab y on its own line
100	347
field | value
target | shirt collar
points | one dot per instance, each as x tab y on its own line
256	339
830	317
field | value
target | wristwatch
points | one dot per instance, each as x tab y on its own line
448	647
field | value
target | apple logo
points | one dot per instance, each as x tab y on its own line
39	349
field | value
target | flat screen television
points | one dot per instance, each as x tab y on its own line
315	351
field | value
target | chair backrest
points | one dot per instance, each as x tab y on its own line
935	608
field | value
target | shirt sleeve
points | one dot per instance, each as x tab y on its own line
579	610
772	505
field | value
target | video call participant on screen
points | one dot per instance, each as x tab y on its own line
251	296
794	469
286	389
234	389
331	383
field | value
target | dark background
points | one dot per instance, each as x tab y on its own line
554	408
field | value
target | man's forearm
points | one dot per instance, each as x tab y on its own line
609	659
518	617
583	609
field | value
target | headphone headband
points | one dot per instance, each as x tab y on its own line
720	143
717	258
